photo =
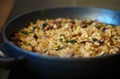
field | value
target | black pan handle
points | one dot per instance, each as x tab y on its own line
7	62
10	62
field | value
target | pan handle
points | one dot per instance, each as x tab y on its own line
8	62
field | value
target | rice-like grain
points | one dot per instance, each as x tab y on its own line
69	38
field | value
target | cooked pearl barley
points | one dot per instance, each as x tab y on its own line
69	38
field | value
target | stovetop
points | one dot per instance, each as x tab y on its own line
24	73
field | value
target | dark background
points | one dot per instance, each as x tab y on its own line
22	6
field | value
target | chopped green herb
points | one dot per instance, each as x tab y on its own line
71	41
61	39
59	48
26	33
44	25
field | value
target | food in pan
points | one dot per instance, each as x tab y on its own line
69	38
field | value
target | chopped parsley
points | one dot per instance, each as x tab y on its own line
26	32
71	41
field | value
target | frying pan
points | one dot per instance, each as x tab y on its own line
56	67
